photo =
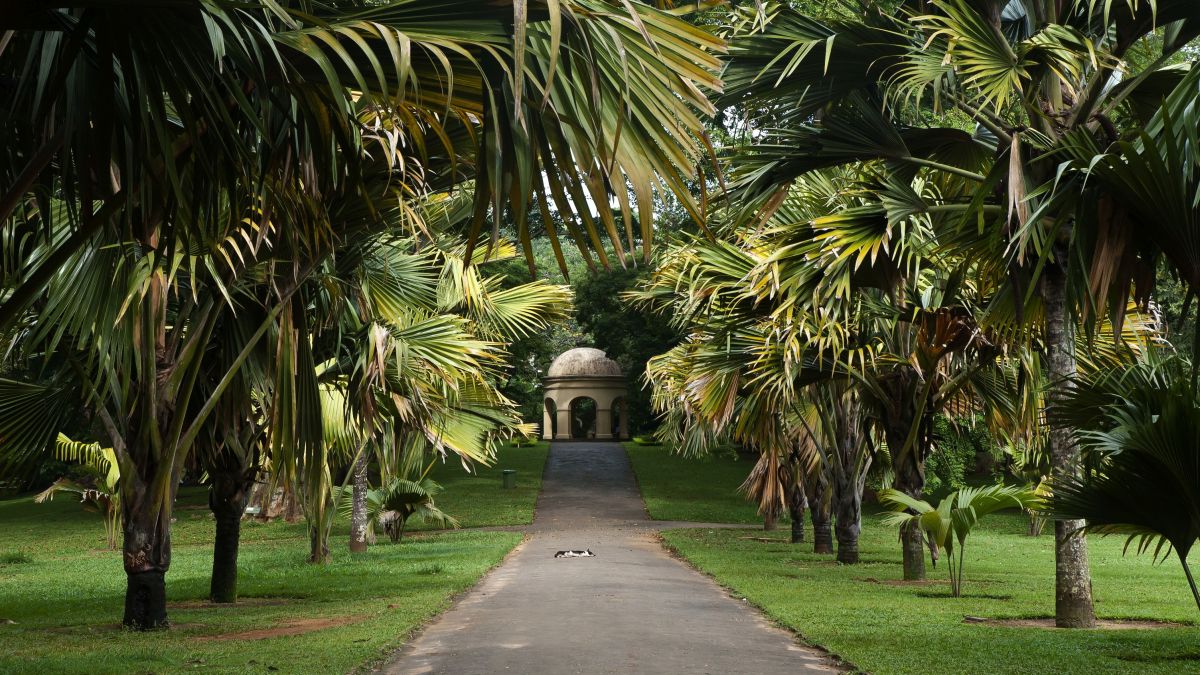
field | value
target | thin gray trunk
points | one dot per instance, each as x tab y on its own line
358	507
1072	578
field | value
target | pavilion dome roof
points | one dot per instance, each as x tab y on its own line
584	362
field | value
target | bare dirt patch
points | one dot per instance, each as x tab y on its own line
1101	624
286	629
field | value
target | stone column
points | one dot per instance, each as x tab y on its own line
547	424
564	424
603	423
623	430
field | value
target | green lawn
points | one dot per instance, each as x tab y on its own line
883	627
479	500
700	490
65	591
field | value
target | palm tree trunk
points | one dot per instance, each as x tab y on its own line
227	498
910	482
819	509
769	520
797	502
318	551
847	500
146	551
358	506
849	480
1072	578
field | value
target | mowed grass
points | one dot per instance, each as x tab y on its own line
478	499
860	614
64	589
700	490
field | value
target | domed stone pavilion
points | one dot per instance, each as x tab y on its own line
585	397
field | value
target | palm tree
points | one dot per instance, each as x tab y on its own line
1039	123
832	288
97	491
137	233
950	523
1137	426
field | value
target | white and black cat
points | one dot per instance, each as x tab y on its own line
586	553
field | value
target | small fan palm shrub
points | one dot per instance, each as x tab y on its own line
950	523
392	506
405	499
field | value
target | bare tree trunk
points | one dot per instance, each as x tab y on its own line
797	501
146	551
847	500
318	551
227	499
910	481
358	507
1072	577
849	480
819	508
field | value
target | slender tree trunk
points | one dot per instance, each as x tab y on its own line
769	521
146	551
227	498
358	507
819	509
1072	577
797	502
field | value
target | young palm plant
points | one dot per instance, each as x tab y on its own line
97	491
950	523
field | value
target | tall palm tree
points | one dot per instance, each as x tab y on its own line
1039	122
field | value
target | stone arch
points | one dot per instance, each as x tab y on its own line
584	417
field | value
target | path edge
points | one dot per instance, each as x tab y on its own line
409	637
836	661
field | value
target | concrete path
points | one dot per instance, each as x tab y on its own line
632	608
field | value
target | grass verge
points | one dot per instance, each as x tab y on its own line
479	500
701	490
62	589
865	616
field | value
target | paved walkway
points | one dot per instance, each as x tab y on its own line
632	608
